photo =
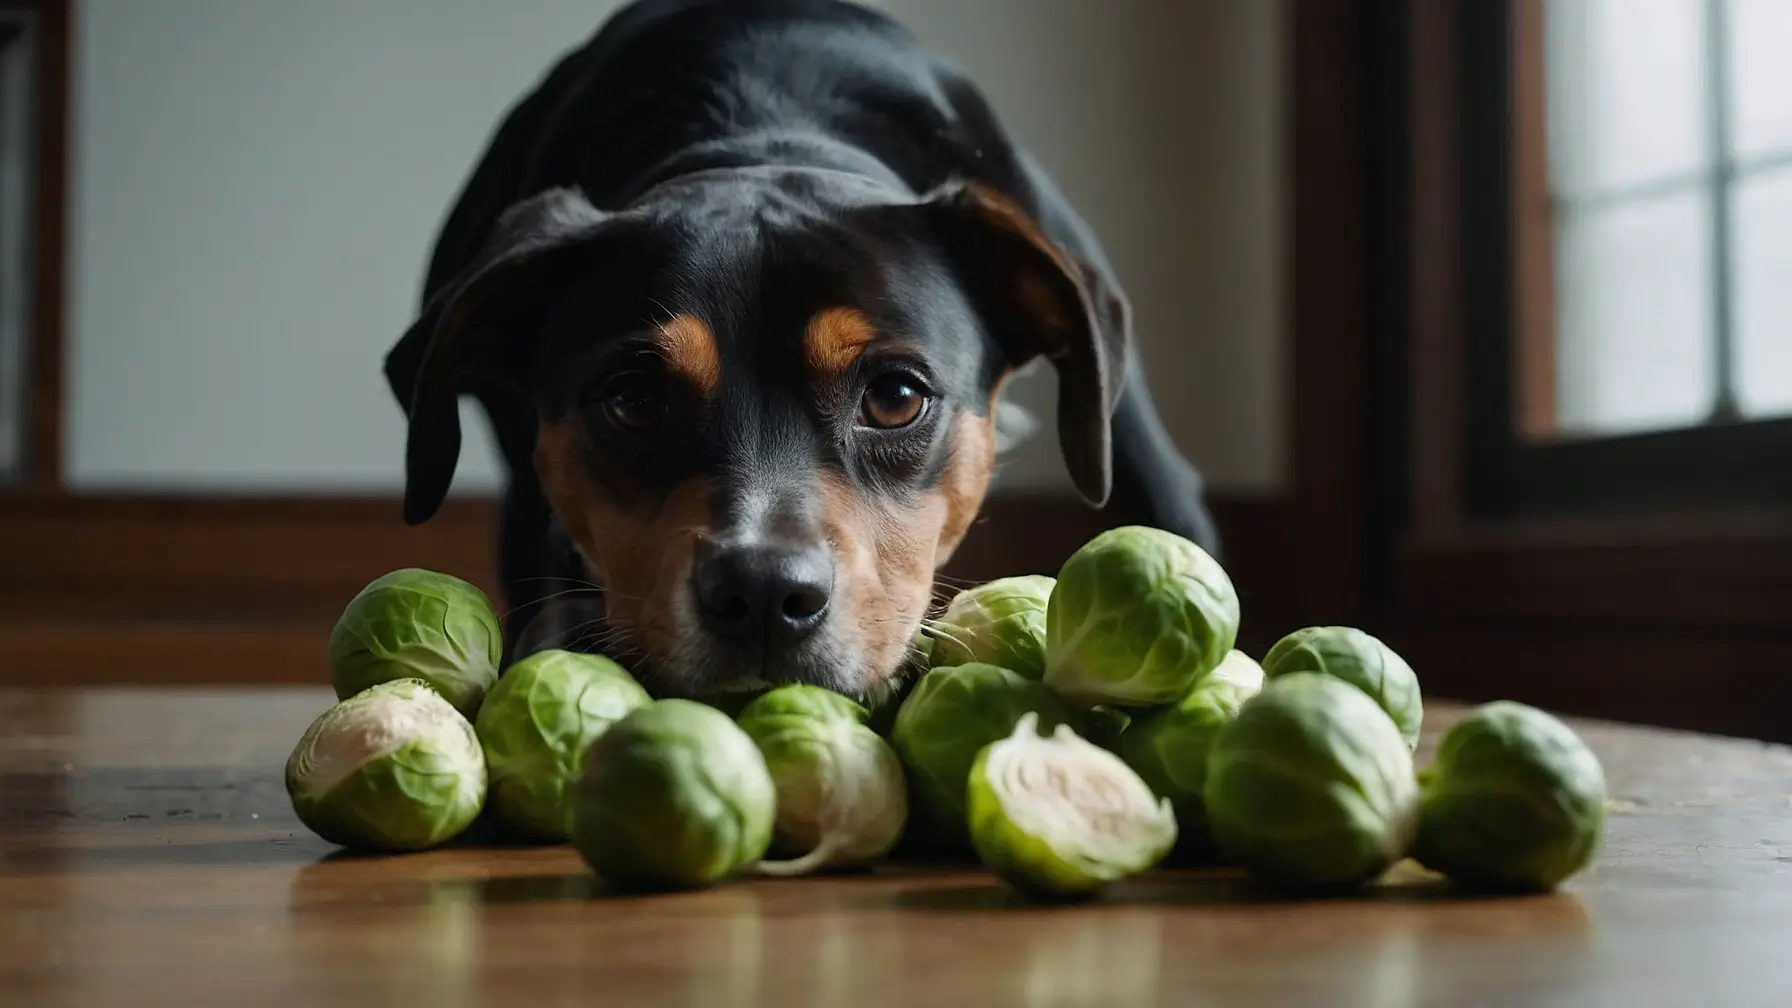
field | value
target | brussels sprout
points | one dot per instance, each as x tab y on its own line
998	623
841	796
800	700
418	624
674	795
1311	786
952	714
1514	800
1169	747
1237	669
1360	660
392	768
1059	816
1137	616
535	725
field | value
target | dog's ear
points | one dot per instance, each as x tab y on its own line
482	326
1037	299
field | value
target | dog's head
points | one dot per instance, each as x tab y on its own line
765	403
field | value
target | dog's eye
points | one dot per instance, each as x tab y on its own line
891	401
636	400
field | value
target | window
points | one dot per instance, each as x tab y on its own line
1626	192
1668	160
1495	246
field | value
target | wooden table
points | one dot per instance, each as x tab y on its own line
148	856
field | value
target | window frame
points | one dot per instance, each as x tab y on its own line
46	246
1509	299
1609	608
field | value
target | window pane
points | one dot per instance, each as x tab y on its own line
1763	292
1626	84
1760	39
1634	316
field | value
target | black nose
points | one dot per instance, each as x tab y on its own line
744	592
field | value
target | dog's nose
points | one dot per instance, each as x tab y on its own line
744	592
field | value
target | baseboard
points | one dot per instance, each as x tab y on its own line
114	589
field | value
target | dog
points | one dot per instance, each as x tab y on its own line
738	286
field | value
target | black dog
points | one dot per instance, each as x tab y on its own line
738	286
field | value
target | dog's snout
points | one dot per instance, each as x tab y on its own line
773	593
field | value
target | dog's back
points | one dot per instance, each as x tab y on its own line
667	87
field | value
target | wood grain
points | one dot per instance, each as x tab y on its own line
148	857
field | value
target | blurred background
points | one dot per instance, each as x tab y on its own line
1475	314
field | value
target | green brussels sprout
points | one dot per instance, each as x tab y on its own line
999	623
1137	616
952	714
1515	800
841	793
1362	661
801	700
418	624
1169	747
535	725
673	796
1311	786
392	768
1062	817
1237	669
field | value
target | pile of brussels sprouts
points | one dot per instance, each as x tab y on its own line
1068	732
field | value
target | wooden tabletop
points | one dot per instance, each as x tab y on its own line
148	856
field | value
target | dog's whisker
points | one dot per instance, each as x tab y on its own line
517	582
938	634
567	639
545	599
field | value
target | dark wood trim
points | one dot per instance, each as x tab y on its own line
1533	223
148	589
1328	341
1737	583
150	558
1667	615
1432	286
45	346
1712	680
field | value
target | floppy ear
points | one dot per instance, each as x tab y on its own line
1038	300
482	325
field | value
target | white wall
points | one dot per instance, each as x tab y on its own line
257	183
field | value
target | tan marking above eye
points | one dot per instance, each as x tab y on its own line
690	351
834	338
